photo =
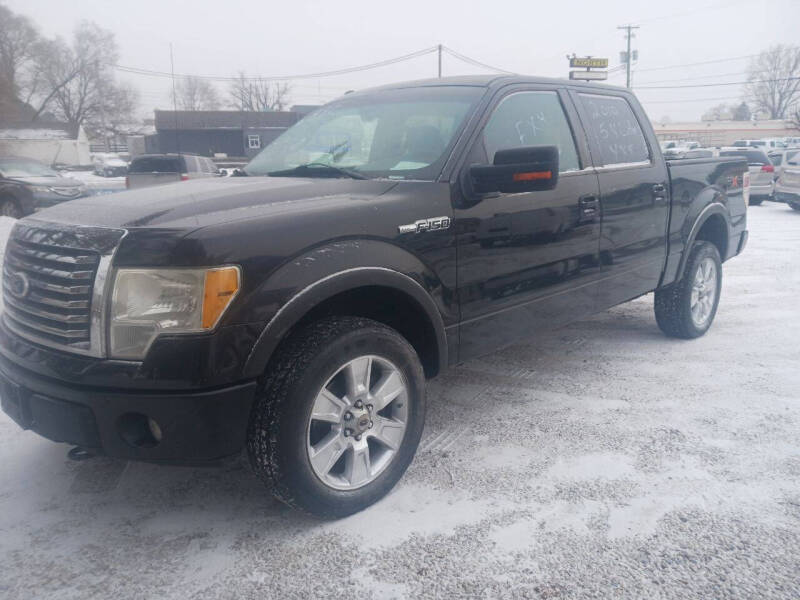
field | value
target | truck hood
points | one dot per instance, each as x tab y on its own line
199	203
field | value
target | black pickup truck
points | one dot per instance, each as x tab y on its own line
296	311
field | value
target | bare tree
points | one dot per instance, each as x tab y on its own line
720	112
774	81
79	77
193	93
259	95
741	112
18	44
794	119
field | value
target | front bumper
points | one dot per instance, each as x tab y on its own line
196	427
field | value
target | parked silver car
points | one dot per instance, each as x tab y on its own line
787	187
158	169
780	158
762	172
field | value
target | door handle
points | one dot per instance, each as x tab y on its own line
587	208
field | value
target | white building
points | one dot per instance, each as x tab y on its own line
724	133
50	144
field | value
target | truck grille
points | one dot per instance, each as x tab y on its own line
49	278
47	291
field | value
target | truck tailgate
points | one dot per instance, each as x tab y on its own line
137	180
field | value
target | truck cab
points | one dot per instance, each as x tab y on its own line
295	312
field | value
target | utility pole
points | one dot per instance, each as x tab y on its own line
629	29
174	99
439	49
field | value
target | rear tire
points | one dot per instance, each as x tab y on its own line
756	201
686	309
10	208
795	206
298	441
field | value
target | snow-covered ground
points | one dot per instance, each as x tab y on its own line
96	183
601	460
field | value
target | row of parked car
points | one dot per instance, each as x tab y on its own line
774	165
27	185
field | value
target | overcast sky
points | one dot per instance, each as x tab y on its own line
526	36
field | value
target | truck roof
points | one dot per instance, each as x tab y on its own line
492	81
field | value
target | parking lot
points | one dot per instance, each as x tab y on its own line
600	460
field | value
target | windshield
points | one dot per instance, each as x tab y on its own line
398	134
24	168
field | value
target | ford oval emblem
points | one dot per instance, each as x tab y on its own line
19	285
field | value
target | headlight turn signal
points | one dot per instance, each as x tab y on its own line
148	302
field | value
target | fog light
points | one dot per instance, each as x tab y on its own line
155	430
139	430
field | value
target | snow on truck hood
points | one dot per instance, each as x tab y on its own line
202	202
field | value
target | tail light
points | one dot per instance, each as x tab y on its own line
768	169
746	188
184	177
127	183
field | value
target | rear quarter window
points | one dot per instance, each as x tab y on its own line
615	129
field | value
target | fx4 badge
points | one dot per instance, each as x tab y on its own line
433	224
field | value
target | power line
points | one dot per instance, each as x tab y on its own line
696	78
344	71
474	62
697	64
690	101
704	85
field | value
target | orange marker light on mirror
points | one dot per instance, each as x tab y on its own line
532	176
221	286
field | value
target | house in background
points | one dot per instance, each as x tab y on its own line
218	133
304	109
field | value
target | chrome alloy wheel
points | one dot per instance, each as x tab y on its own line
357	423
704	291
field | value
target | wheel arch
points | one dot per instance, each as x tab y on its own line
379	293
712	224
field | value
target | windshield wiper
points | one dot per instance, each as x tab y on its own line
312	168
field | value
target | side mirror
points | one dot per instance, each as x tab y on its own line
526	169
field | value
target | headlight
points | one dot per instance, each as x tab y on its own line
147	302
41	189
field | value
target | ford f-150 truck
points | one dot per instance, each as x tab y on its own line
296	311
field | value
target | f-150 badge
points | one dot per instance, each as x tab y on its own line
432	224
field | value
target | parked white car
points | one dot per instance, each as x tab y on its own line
109	165
765	144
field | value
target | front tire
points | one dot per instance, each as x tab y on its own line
687	308
339	416
756	201
795	206
9	208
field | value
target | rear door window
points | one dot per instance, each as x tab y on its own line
156	164
615	129
531	119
